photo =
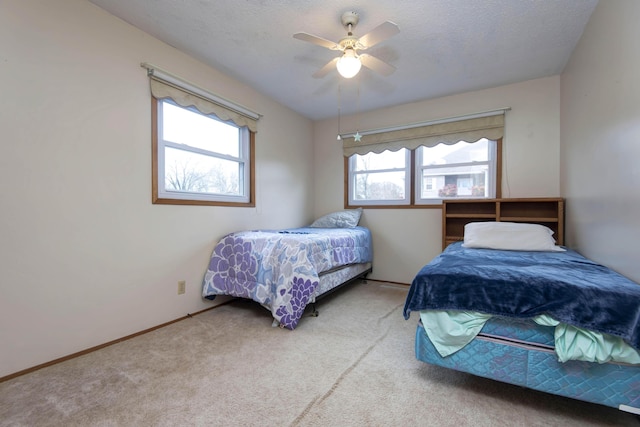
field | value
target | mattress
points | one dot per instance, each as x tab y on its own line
520	354
566	286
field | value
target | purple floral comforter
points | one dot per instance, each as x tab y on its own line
280	268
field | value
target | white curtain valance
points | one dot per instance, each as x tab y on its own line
185	94
429	135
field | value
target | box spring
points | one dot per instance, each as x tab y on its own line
521	352
337	277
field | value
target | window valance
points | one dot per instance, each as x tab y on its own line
165	85
448	131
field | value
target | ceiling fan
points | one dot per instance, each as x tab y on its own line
349	63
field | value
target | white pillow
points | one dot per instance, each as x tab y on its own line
343	219
514	236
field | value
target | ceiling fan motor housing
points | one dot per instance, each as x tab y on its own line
349	42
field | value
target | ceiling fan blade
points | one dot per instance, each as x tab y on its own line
376	64
317	40
378	34
331	65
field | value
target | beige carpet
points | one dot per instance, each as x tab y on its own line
353	365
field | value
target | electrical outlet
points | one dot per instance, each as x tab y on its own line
182	287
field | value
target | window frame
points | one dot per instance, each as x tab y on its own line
414	203
161	196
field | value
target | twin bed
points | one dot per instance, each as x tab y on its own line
286	270
508	304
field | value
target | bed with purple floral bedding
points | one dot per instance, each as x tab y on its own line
282	269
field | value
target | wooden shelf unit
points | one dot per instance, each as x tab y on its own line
457	213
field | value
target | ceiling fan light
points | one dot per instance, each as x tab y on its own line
349	64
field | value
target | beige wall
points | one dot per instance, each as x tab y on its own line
600	132
85	257
405	239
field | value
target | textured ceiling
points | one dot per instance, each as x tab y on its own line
444	46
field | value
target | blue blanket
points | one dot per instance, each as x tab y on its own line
565	285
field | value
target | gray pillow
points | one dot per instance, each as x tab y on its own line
343	219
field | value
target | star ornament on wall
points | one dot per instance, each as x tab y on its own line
357	137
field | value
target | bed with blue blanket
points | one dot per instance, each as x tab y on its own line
551	320
285	270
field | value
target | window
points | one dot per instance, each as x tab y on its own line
419	165
380	179
462	170
203	145
199	157
428	183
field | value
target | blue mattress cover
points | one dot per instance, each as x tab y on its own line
523	284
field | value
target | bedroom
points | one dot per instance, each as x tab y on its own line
82	256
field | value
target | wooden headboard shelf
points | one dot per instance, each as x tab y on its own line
457	213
